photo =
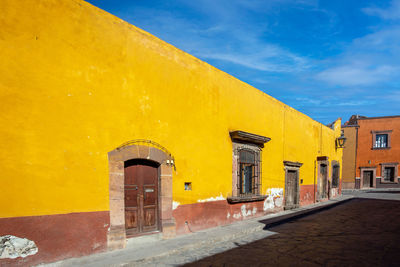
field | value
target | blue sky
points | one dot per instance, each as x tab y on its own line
327	59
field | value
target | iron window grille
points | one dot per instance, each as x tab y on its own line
381	141
248	171
388	174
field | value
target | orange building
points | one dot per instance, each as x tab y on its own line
372	152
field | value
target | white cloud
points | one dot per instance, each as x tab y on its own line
270	58
227	32
390	13
356	103
302	101
367	61
351	75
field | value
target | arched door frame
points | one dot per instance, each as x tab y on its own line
140	149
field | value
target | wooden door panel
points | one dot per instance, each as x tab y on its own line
131	174
149	195
148	174
131	218
131	197
323	180
367	181
149	217
290	193
141	198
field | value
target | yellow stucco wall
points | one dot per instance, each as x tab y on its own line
77	82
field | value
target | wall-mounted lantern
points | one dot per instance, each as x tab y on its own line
340	141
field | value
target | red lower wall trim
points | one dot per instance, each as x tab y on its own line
58	236
307	194
199	216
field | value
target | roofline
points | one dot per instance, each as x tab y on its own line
382	117
350	126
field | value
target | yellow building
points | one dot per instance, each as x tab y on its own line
108	132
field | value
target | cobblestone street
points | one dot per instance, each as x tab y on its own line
360	232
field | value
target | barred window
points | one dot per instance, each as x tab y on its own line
388	175
248	171
246	166
381	141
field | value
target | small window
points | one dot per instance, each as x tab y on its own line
188	186
335	176
381	141
388	174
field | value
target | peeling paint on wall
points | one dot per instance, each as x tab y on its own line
244	212
220	197
254	210
278	201
268	203
175	205
12	247
274	199
334	192
275	191
308	196
237	216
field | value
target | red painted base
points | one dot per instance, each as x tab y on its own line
58	236
307	194
199	216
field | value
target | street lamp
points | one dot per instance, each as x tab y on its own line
340	141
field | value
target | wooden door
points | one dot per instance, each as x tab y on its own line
292	186
367	179
141	198
323	181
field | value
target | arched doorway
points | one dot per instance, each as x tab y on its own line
141	198
141	164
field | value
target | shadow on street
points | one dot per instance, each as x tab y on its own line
360	232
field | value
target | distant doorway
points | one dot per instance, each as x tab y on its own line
368	179
292	187
322	181
141	197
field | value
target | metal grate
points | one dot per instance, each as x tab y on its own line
249	164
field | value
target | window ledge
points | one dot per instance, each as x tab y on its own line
388	182
380	148
249	198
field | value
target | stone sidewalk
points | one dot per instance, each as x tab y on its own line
152	250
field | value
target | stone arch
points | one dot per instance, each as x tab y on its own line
138	149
